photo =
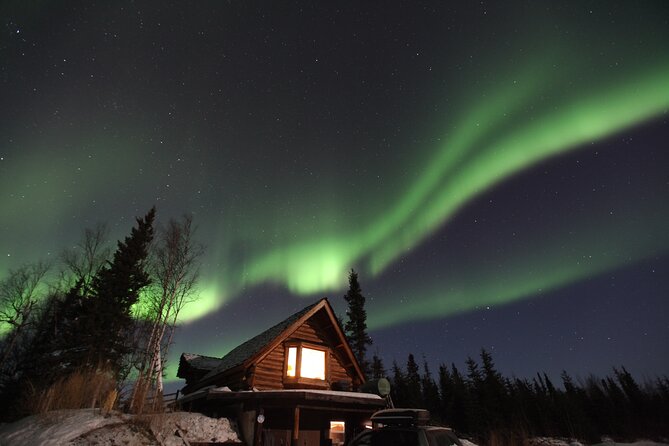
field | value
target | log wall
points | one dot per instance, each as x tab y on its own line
268	373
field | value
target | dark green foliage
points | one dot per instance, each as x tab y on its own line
398	389
356	325
430	390
91	326
377	369
104	323
414	394
488	406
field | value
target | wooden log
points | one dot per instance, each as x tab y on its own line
296	427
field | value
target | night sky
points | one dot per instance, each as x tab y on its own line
496	172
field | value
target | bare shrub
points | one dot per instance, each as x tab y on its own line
81	389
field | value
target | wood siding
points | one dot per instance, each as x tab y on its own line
268	372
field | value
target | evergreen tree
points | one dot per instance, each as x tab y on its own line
446	394
100	329
430	391
492	393
398	389
378	371
414	393
356	326
461	412
475	410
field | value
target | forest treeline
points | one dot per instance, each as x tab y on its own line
480	402
77	331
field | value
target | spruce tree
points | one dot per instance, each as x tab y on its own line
446	394
414	393
378	371
398	389
99	334
356	326
430	391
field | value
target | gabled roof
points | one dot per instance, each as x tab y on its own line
194	361
261	344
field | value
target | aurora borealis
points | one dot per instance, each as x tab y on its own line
484	167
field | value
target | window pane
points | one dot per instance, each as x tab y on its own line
313	364
292	361
337	432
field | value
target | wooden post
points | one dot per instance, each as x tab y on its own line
296	427
257	435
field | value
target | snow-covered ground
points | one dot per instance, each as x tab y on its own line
89	427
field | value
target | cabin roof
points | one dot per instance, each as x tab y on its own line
197	362
256	346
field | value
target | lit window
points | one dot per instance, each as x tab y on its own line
337	432
313	363
292	361
305	363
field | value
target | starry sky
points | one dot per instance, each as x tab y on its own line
496	172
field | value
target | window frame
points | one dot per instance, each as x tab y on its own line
298	380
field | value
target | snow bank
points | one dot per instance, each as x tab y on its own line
88	427
195	427
54	428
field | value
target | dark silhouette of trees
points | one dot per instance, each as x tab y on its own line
377	369
414	393
83	261
499	410
101	335
86	322
430	390
356	325
19	298
398	390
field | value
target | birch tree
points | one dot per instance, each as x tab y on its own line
175	270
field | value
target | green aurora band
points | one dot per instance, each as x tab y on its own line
531	114
480	154
549	265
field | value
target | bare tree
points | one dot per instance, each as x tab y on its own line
85	259
19	298
175	270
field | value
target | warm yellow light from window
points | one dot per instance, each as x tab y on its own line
337	426
313	363
337	432
292	361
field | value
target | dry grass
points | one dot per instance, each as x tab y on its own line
146	400
81	390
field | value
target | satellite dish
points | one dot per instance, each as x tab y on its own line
380	387
383	386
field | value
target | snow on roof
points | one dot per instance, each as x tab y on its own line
370	396
254	345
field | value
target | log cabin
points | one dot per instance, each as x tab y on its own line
296	383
